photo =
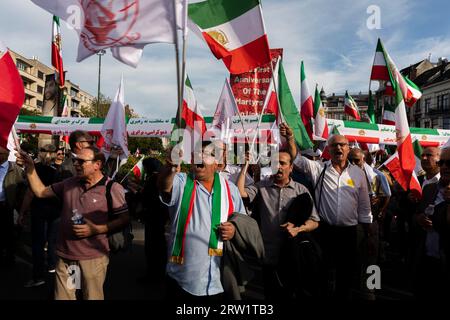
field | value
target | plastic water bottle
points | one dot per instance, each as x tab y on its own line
429	211
77	218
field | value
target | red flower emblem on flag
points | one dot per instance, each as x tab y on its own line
109	23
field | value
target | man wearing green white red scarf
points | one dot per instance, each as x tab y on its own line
199	203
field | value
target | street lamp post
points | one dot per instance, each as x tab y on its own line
100	54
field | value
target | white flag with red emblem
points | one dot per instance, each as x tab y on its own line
124	26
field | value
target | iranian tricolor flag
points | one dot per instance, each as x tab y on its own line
384	69
284	108
138	170
418	150
320	121
234	31
350	107
306	102
394	166
57	61
12	94
404	143
389	115
191	120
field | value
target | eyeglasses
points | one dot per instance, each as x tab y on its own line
78	161
355	161
334	145
441	162
59	154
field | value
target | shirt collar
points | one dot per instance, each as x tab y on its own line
5	164
291	184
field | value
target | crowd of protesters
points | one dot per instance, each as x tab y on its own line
312	227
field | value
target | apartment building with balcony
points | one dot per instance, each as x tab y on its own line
33	73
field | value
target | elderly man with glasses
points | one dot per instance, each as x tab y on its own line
342	201
82	249
78	140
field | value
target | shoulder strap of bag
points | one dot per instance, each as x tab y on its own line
109	197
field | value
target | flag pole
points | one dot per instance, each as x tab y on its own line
177	58
129	171
265	105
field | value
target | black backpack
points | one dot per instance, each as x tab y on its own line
122	240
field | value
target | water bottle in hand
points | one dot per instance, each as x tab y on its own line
77	218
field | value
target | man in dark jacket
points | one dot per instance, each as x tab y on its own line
11	187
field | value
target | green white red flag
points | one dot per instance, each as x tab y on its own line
306	102
350	107
57	60
403	136
389	114
384	68
234	31
138	170
320	121
12	94
192	122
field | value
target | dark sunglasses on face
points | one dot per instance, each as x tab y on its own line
78	161
441	162
60	154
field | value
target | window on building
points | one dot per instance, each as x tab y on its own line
427	104
40	89
446	123
22	65
40	75
426	124
435	123
445	105
39	103
73	93
75	104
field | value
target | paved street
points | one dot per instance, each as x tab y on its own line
126	268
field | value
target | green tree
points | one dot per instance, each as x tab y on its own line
145	145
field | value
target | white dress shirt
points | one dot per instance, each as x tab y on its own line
341	199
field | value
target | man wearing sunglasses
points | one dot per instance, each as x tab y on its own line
432	244
78	140
82	249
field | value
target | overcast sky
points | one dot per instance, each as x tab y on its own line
331	36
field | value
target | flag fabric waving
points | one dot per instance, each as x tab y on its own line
320	121
114	129
384	69
12	94
403	135
226	108
371	108
57	60
306	102
389	115
191	121
138	170
234	31
125	27
350	107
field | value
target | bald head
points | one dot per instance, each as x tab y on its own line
356	156
429	160
339	148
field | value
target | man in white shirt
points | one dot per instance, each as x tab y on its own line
342	200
